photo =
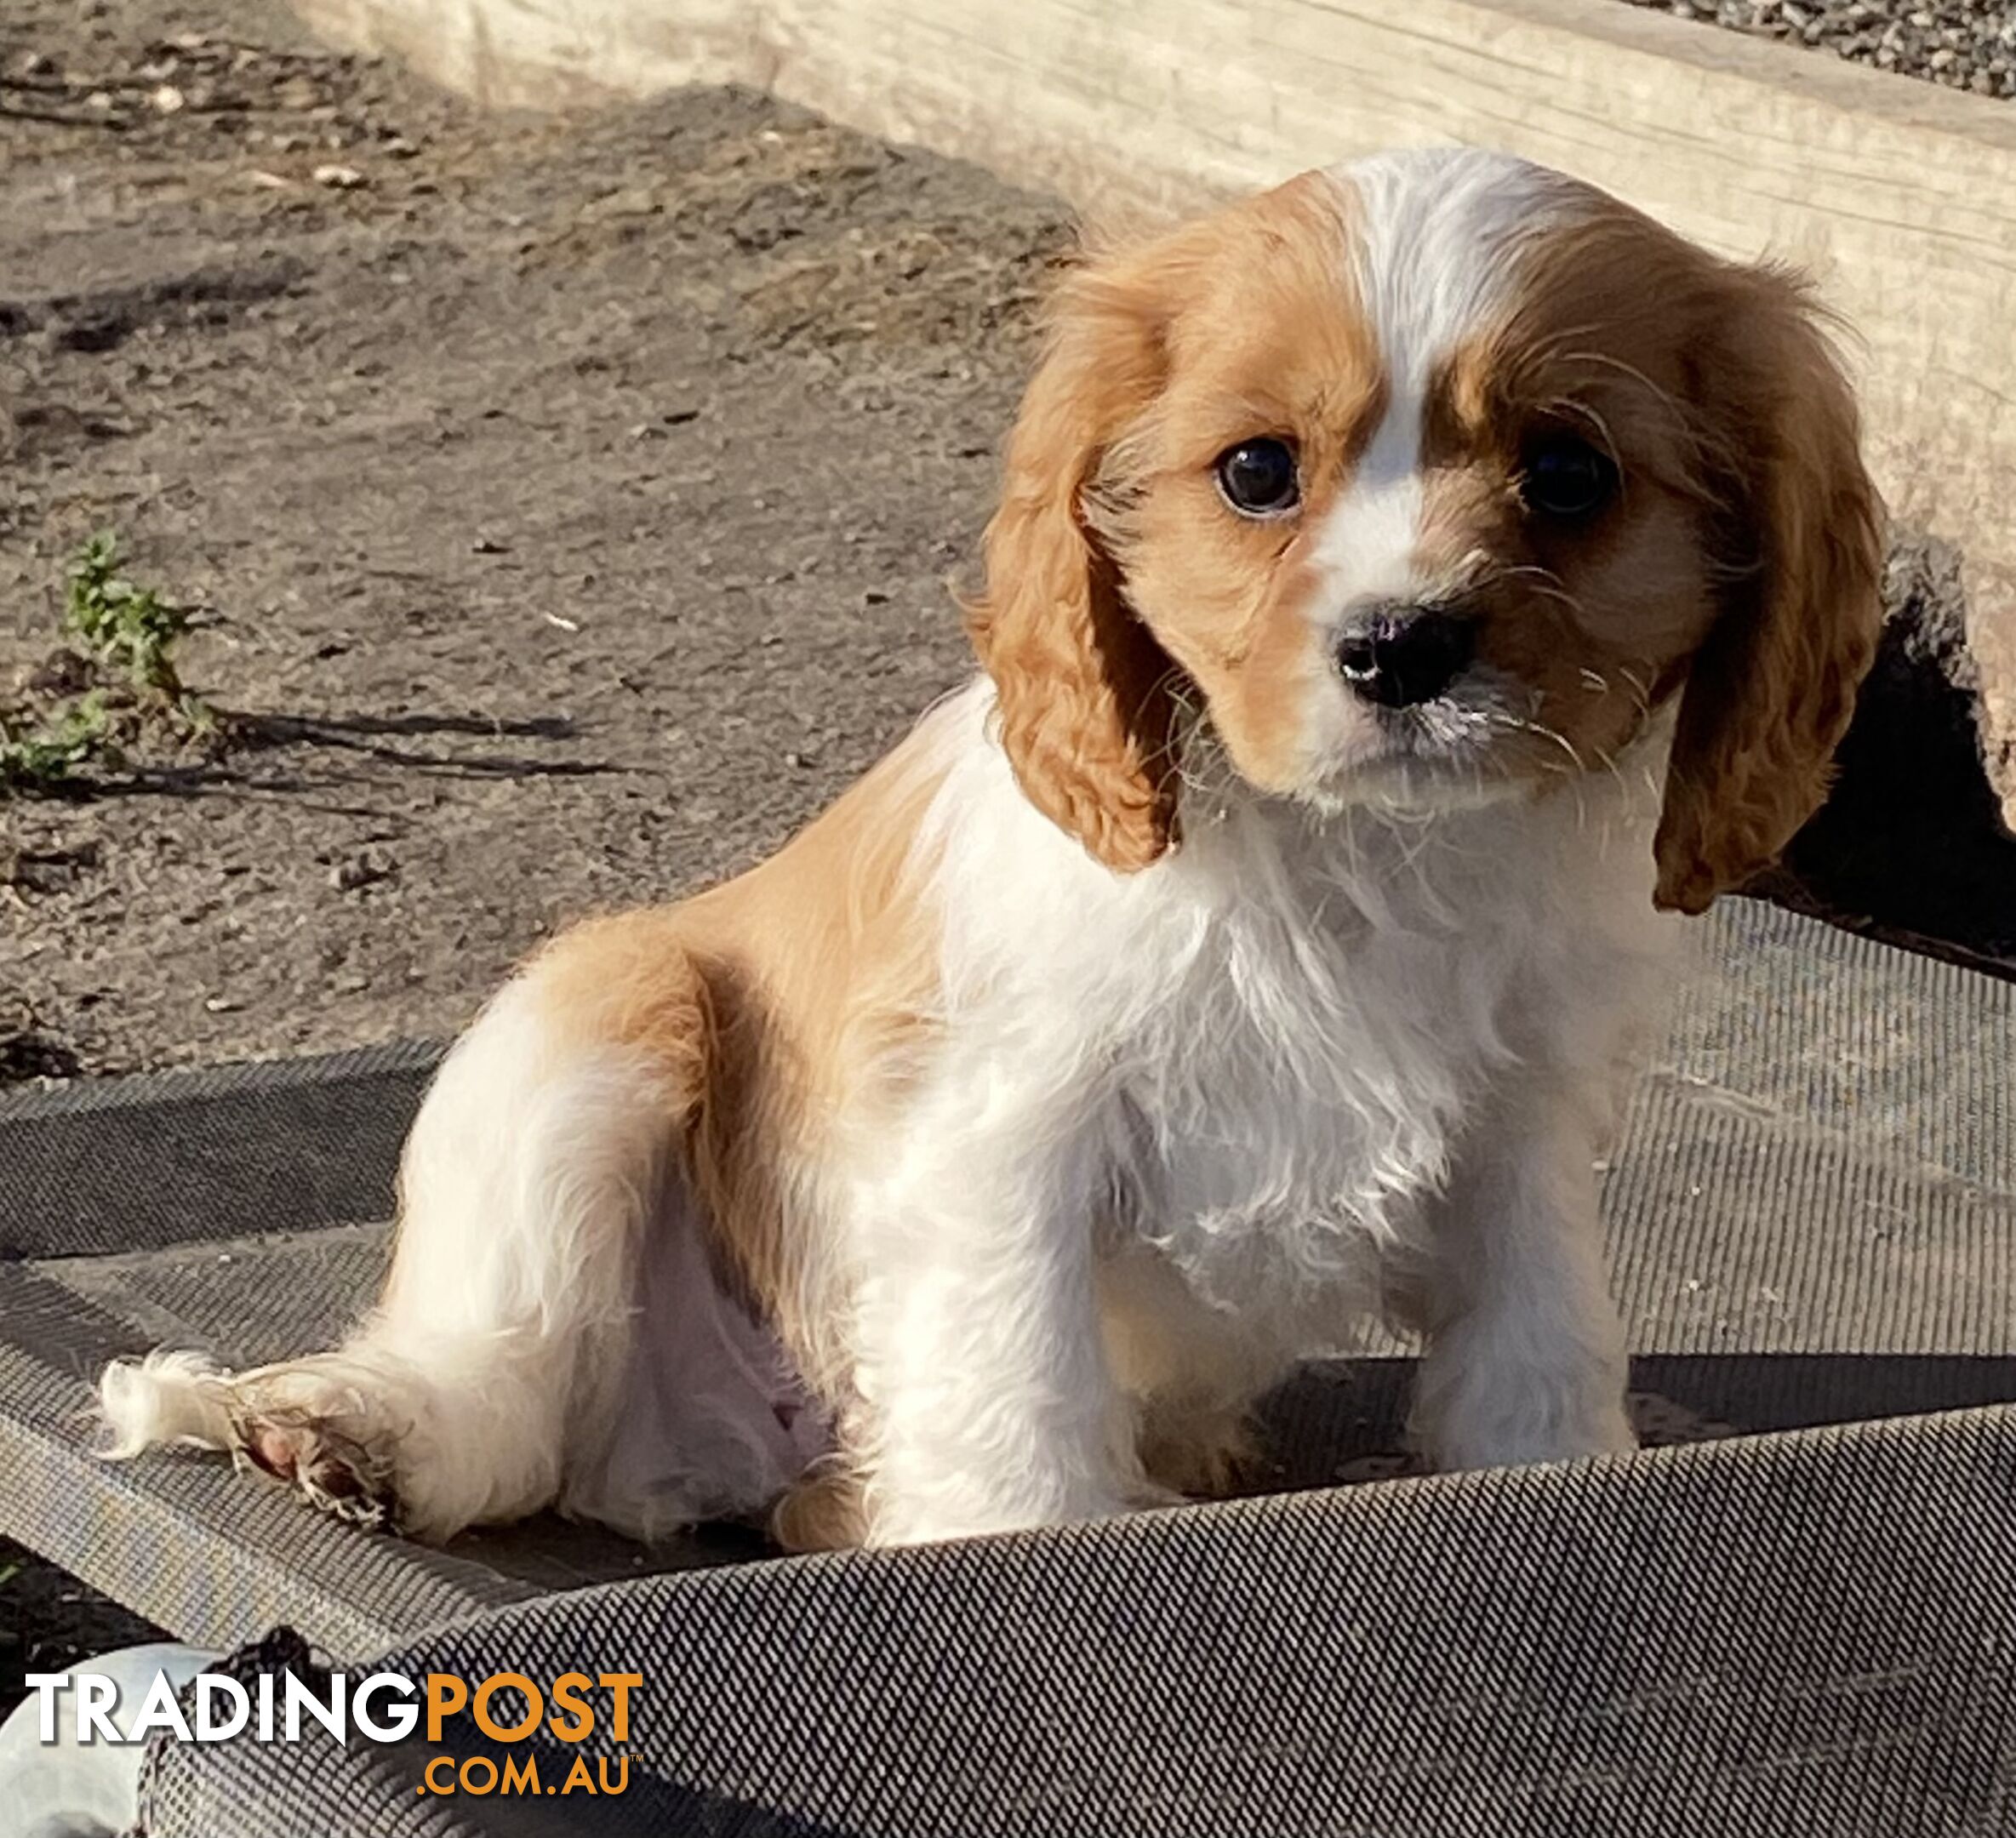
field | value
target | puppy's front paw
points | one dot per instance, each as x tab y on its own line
825	1510
1607	1433
894	1518
1512	1428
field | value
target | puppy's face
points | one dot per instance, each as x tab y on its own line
1423	482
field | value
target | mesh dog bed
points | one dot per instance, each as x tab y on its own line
1795	1617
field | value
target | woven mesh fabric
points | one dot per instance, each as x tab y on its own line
120	1165
1812	1214
367	1788
1801	1636
189	1544
1811	1211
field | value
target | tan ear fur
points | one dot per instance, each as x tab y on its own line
1086	699
1771	690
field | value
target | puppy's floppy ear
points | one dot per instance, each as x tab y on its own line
1085	694
1772	689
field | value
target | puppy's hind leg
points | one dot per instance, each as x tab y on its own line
491	1360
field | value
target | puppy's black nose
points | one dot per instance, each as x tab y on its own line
1399	655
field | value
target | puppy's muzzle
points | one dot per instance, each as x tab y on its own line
1396	655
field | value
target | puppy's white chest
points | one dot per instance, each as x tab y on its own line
1289	1109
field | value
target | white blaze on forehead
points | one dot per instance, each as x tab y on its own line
1434	233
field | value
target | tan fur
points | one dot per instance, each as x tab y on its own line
1239	316
1190	1382
781	1018
826	1510
769	1000
1772	690
1119	588
1746	562
1086	713
1266	338
1213	1453
772	995
1120	592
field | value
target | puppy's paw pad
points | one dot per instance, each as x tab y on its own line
333	1473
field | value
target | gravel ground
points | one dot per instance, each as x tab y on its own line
1965	44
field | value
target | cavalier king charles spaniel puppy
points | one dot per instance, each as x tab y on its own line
1410	588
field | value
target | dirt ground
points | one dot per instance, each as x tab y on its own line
569	504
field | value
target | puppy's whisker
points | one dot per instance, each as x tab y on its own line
828	1185
1609	361
1553	735
1535	579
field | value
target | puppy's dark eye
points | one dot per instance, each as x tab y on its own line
1563	476
1258	479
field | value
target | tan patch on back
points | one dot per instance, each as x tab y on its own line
776	1003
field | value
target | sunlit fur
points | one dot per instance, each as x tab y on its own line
1160	1011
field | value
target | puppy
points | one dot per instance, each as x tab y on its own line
1406	583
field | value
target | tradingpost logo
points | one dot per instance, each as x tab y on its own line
508	1709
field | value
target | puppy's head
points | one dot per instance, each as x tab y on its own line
1424	481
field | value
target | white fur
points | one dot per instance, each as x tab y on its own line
1297	1061
1436	227
553	1334
1431	266
1303	1071
1434	260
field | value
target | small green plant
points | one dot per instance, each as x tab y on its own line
45	753
120	632
129	629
